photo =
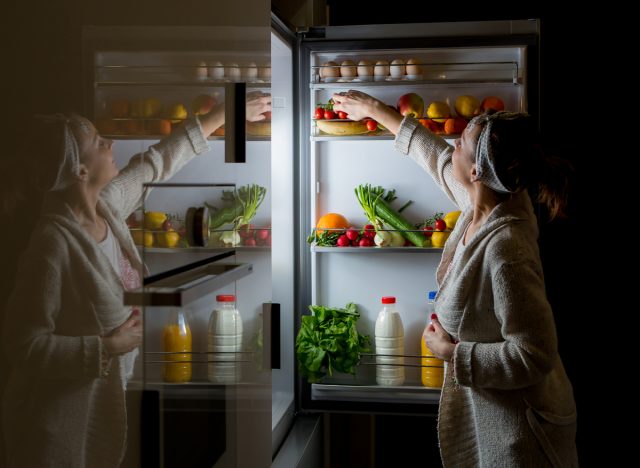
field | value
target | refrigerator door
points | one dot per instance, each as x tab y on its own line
200	394
453	64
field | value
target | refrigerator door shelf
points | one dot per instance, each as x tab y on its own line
183	287
375	393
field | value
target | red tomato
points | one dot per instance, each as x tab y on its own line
319	113
372	125
440	225
329	114
427	231
342	115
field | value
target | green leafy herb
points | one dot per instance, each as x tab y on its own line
325	238
329	341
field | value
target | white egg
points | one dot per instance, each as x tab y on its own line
414	67
216	70
264	71
250	71
365	68
330	70
231	71
348	69
397	68
201	71
381	68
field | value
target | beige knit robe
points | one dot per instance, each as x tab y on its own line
514	404
58	410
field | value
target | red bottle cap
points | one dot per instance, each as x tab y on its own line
226	298
388	300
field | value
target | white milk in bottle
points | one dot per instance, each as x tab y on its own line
389	342
225	341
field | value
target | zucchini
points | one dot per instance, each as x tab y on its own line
396	221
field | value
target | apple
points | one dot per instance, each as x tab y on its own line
166	225
203	104
177	112
411	104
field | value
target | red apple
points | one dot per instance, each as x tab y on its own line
411	104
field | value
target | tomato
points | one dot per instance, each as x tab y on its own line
427	231
342	115
372	125
440	225
329	114
352	234
319	113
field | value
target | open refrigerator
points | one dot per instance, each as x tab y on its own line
306	172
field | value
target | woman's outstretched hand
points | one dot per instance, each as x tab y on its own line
359	105
257	104
438	340
126	337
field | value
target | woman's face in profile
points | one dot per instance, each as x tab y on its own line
96	154
463	157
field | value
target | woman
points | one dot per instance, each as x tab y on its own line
506	399
70	341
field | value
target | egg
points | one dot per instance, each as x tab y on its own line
216	70
365	68
330	70
414	67
231	71
264	72
250	71
201	71
381	68
397	68
348	69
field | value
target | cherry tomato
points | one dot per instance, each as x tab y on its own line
342	115
329	114
427	231
372	125
440	225
319	113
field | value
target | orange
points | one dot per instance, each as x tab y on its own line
108	126
432	125
119	108
492	102
332	221
158	127
454	126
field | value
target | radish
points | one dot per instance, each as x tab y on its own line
343	241
365	242
352	234
263	233
369	231
250	242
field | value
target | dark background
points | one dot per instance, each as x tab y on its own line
41	73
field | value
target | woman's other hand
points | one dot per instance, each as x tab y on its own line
126	337
359	105
257	104
438	340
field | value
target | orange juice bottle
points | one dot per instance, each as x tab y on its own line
176	338
432	376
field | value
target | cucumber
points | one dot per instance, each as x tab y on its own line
396	221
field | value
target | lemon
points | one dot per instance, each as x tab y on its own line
168	238
153	220
438	238
451	219
438	111
467	106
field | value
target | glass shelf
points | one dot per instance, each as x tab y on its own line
171	250
194	83
375	393
376	250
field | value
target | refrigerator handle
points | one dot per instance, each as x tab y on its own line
271	335
235	110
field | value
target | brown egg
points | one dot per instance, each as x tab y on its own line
414	67
330	70
381	68
397	68
348	69
365	68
